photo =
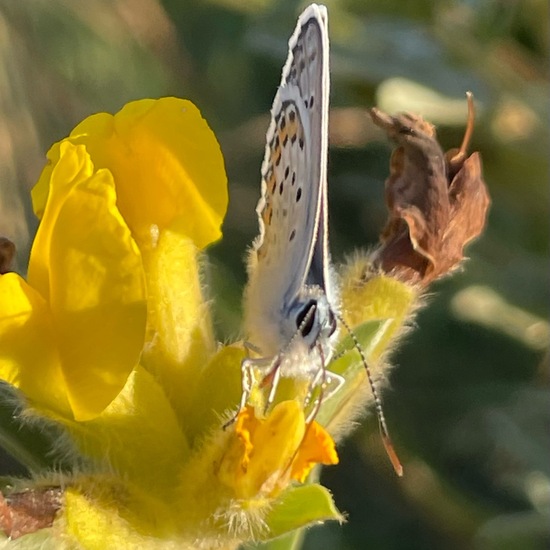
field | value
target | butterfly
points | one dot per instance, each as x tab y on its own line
290	303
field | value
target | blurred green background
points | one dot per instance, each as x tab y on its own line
469	401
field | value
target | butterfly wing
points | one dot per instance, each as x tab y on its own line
291	250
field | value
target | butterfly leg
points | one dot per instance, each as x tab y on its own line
319	380
334	382
314	383
247	380
329	383
272	378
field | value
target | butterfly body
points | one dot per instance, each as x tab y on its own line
290	311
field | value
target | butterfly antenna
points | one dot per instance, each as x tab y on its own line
386	440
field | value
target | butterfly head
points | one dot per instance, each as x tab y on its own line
309	331
314	320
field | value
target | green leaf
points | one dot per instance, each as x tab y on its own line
40	540
368	335
299	507
349	365
290	541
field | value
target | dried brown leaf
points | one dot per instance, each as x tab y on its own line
28	511
437	202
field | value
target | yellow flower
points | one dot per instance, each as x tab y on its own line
110	200
268	452
111	338
166	164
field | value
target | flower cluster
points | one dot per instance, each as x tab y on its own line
110	339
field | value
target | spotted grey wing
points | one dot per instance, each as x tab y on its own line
291	250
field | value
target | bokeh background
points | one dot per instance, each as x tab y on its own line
469	401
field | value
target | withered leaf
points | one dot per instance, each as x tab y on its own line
28	511
437	202
7	253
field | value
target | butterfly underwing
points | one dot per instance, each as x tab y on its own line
290	303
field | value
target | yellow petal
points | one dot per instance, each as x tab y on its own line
220	381
180	340
316	448
138	434
29	359
166	163
85	260
75	168
267	453
107	512
41	190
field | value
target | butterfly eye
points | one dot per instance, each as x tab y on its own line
305	320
